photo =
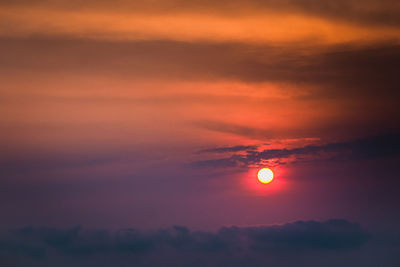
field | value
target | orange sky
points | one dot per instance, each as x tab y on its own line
273	25
152	76
131	91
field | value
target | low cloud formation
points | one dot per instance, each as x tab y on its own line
377	147
178	246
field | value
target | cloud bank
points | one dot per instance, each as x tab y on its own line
178	246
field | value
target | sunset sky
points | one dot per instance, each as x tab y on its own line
156	115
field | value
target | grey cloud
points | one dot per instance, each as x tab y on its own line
300	235
178	245
227	149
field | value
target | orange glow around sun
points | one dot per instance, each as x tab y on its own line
265	175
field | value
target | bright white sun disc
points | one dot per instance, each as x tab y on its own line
265	175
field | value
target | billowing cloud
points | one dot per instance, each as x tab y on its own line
180	246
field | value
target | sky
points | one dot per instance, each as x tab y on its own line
131	133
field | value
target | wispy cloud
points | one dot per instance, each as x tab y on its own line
227	149
364	12
376	147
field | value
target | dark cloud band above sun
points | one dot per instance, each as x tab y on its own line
227	149
377	147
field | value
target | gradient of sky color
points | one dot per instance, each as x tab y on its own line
150	114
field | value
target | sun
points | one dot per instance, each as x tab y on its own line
265	175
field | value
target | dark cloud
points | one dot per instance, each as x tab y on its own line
234	128
178	245
371	12
361	81
351	71
377	147
227	149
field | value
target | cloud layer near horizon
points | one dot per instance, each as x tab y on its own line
178	246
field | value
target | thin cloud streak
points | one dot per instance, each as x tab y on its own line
227	149
256	26
367	12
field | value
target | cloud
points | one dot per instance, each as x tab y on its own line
325	71
227	149
234	128
377	147
179	245
368	12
